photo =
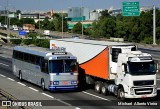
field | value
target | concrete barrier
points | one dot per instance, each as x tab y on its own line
117	39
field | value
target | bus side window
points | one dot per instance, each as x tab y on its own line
38	60
16	54
20	55
26	57
44	67
32	59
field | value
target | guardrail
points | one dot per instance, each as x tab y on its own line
10	97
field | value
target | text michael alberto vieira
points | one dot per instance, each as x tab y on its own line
138	103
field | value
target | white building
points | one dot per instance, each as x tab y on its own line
94	15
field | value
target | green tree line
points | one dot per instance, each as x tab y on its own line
134	29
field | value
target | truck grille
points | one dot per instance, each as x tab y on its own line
144	82
143	91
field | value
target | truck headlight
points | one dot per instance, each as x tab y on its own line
131	91
155	89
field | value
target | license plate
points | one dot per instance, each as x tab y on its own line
65	82
144	96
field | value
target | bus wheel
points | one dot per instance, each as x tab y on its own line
42	84
97	87
121	94
20	75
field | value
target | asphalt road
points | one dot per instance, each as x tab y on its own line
86	99
154	52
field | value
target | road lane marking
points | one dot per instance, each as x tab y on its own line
4	64
158	88
47	95
21	83
4	51
158	79
33	89
77	108
96	96
63	102
11	79
2	75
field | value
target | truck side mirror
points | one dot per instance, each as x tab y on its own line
124	68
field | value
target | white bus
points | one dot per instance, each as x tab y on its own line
53	69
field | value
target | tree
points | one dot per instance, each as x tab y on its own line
77	28
120	29
45	23
95	32
107	27
18	12
51	26
2	19
14	21
105	14
26	21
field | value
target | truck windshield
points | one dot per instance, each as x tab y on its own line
142	68
62	66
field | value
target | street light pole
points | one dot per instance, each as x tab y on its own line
62	24
8	20
154	25
39	19
82	15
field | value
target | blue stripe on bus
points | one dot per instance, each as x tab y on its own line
57	73
52	88
71	73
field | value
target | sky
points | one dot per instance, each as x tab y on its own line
46	5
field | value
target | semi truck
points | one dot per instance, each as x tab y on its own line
113	67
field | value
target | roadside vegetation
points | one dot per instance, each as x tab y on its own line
133	29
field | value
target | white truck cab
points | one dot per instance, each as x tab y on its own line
136	75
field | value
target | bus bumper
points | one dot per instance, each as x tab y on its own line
53	88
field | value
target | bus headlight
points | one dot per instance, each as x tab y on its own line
55	82
131	91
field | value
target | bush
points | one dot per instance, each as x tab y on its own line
27	41
148	40
16	41
158	41
44	43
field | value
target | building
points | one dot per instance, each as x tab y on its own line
35	16
78	12
114	12
94	15
145	9
10	14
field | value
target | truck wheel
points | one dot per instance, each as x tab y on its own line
104	89
43	85
121	94
98	86
20	75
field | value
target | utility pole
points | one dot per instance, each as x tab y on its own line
8	33
5	16
39	20
62	24
154	25
82	15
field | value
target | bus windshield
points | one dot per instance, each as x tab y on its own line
70	65
62	66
